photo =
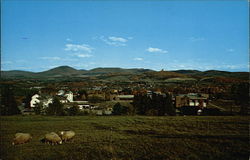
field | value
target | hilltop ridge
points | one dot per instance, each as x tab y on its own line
121	73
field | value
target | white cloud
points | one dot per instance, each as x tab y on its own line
118	39
200	65
194	39
156	50
230	50
50	58
114	41
81	55
69	40
138	59
78	47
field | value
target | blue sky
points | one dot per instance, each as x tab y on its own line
39	35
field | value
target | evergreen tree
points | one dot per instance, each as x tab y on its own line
8	103
156	104
118	109
170	109
28	95
73	111
82	95
55	108
38	108
240	93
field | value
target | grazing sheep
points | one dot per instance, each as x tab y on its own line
52	138
21	138
18	134
67	135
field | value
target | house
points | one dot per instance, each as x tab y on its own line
46	101
65	97
34	100
81	102
69	96
98	112
108	111
83	106
61	93
124	97
191	99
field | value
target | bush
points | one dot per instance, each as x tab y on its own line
73	111
8	105
55	108
95	99
211	112
189	110
152	112
118	109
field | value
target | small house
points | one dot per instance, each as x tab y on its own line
191	99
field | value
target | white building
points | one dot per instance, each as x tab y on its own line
34	100
60	92
46	102
69	96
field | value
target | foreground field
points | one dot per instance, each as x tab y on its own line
129	137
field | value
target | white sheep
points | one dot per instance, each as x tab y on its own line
52	138
67	135
21	138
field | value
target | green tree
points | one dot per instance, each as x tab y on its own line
55	108
82	95
142	103
170	109
240	93
95	99
118	109
38	108
28	95
73	111
155	104
8	103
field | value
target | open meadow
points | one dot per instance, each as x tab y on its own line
129	137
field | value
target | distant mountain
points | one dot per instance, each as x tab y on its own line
117	70
188	72
163	75
17	74
215	73
61	71
135	74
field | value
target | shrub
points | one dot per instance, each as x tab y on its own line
118	109
211	112
189	110
55	108
73	111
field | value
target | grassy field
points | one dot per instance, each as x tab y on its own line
129	137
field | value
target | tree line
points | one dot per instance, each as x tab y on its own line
143	104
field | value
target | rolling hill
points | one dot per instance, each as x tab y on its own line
215	73
116	70
17	74
61	71
121	73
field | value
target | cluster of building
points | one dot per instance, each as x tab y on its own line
191	99
68	100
